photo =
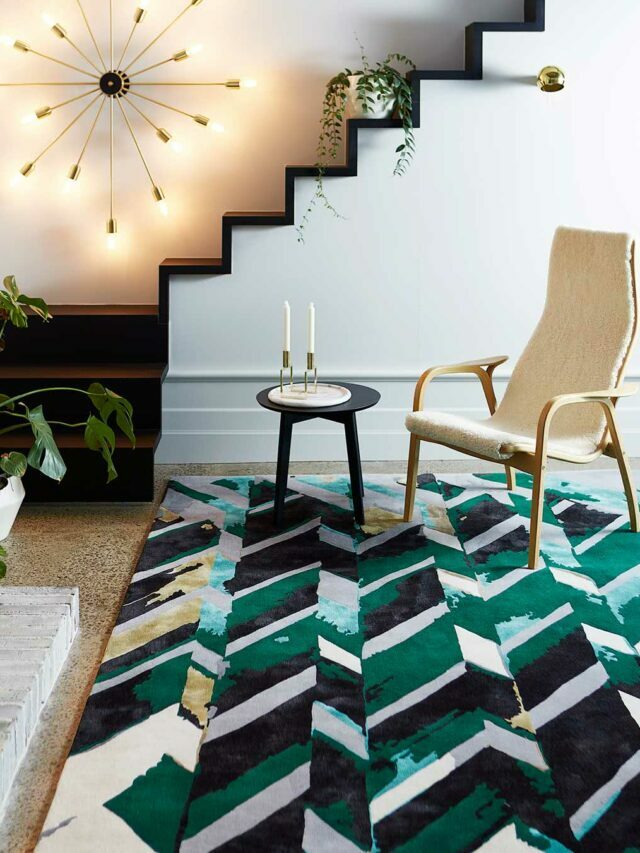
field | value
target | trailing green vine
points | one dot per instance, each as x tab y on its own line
381	82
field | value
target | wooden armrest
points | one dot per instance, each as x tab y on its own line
482	368
607	399
594	396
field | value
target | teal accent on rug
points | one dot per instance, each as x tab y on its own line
395	687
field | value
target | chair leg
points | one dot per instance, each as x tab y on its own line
625	472
511	478
412	477
537	503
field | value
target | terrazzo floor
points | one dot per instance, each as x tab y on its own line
95	548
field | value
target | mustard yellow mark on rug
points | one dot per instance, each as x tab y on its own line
192	576
167	516
182	613
378	520
197	694
523	719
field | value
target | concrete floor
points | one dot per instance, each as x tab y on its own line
96	548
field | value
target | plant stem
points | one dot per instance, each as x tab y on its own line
56	423
12	428
6	403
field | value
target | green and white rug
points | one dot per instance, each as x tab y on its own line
396	687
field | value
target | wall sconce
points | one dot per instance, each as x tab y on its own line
551	79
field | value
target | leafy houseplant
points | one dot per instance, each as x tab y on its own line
18	413
368	89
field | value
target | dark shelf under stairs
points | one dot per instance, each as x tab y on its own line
126	346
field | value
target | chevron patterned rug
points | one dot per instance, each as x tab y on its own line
396	687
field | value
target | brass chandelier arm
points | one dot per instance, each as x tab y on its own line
74	83
60	62
73	100
137	144
93	38
91	132
82	54
229	84
162	104
151	67
111	32
111	217
164	31
144	116
136	22
66	130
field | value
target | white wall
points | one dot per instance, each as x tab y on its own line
448	263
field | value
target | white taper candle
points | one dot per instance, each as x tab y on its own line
287	327
312	328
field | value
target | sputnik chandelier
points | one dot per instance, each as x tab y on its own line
117	85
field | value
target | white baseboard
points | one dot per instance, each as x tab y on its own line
214	418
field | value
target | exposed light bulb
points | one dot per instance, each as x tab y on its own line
216	127
248	84
19	178
48	20
72	178
181	55
159	196
141	11
112	234
166	137
38	114
7	41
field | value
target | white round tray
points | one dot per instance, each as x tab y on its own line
324	395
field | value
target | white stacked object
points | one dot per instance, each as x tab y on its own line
37	628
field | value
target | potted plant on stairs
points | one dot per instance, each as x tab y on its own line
379	91
106	409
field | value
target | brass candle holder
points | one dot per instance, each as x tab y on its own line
287	364
311	366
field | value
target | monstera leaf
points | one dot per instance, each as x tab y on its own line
44	456
13	464
107	403
13	304
100	437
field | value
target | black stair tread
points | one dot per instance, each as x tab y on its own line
145	440
105	310
82	371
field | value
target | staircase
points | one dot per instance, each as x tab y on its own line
122	346
126	346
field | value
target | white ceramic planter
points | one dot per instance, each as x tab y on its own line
11	498
381	108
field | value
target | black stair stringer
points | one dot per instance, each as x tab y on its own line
533	21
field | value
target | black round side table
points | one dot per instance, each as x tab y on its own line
361	398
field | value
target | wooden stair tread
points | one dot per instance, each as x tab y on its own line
191	262
255	214
82	371
145	440
104	310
